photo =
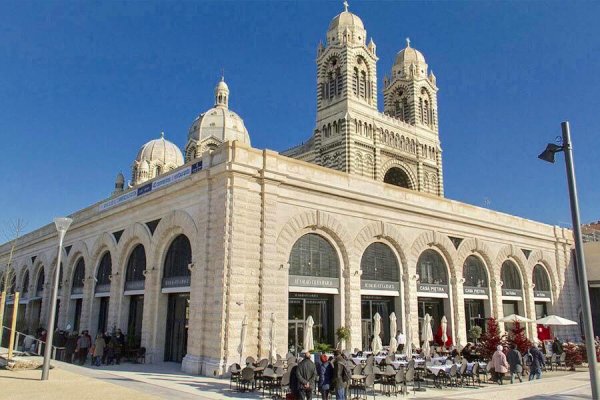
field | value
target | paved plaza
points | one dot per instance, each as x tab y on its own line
166	381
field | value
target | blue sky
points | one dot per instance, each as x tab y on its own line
84	84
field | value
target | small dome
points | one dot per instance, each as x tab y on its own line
217	125
120	178
346	19
160	151
408	57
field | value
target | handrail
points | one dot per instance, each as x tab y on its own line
36	344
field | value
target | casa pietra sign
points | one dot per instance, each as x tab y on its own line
432	288
314	281
475	290
379	285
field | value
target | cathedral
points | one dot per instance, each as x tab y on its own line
223	251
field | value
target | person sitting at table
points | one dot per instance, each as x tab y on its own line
306	374
499	364
325	372
467	352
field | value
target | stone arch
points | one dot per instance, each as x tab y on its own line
134	234
393	163
379	230
437	241
474	246
105	242
314	220
511	252
25	267
173	224
537	257
79	250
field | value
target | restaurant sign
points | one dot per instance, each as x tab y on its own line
512	292
314	281
543	294
379	285
432	288
475	290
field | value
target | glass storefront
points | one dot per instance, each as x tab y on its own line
370	305
320	308
435	308
475	314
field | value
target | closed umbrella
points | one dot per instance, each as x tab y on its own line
272	349
444	325
393	341
376	345
242	345
513	318
408	345
308	334
426	335
555	320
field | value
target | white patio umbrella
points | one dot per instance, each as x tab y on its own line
242	345
444	325
308	334
376	345
426	335
555	320
513	318
393	341
272	349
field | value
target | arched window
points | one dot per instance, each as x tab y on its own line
78	277
474	272
510	276
176	271
158	170
432	268
396	176
355	82
313	255
103	274
136	265
362	92
540	279
39	287
25	286
379	263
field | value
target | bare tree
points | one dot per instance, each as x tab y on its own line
11	233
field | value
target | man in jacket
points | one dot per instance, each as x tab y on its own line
537	363
340	381
515	362
306	374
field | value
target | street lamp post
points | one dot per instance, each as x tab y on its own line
62	224
548	155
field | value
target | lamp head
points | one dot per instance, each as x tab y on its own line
62	224
548	154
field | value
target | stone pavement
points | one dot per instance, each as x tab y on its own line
165	381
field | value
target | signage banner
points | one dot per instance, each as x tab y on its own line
542	294
432	288
164	181
475	290
512	292
314	281
379	285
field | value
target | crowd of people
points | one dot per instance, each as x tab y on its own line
329	374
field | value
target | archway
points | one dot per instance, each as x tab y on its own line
512	291
101	301
76	296
133	299
398	177
542	298
476	293
380	289
313	282
432	291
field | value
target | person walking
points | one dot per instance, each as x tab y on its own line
325	372
119	340
499	364
306	375
99	346
83	347
341	375
537	363
515	362
401	339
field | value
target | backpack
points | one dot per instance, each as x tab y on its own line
346	373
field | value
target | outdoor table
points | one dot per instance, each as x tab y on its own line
439	359
269	380
359	360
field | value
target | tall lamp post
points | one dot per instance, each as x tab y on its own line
548	155
62	224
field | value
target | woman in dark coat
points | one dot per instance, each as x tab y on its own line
325	371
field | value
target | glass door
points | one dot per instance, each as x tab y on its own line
177	327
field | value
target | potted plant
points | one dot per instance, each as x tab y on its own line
343	335
475	333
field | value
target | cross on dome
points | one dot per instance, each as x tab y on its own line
162	135
345	3
407	42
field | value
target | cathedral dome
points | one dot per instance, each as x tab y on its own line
154	158
346	19
346	27
215	126
160	151
408	58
